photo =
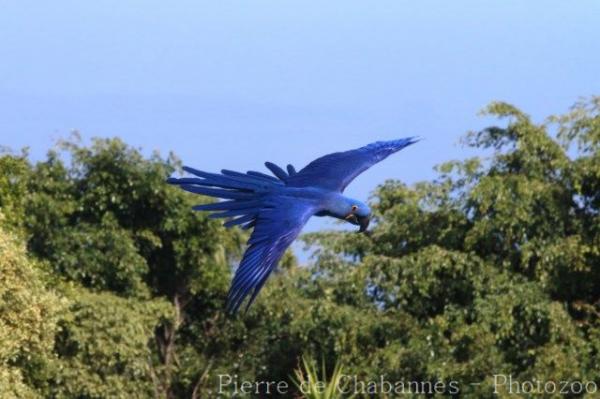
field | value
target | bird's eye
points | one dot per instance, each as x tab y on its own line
354	208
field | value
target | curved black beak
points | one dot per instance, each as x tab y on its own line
363	222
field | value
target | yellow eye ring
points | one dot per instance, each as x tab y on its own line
354	208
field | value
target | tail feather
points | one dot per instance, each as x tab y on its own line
251	175
246	193
277	171
234	182
241	220
212	192
263	176
227	205
234	212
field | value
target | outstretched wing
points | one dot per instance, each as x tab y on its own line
253	200
277	225
335	171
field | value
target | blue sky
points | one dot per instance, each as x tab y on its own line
231	84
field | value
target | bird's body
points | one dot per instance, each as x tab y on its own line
326	202
278	207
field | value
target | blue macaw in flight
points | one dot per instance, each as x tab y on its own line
278	207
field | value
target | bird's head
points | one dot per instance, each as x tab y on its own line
359	214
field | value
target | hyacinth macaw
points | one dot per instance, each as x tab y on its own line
278	207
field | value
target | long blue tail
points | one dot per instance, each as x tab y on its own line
244	192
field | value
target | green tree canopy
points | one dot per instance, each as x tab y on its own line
29	313
113	287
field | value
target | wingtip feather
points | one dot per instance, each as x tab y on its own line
412	140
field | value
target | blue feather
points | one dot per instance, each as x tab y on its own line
239	220
245	273
212	192
212	179
262	175
249	225
233	212
277	171
227	205
252	176
193	171
252	254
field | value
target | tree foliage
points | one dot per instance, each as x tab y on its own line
29	313
495	262
491	268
